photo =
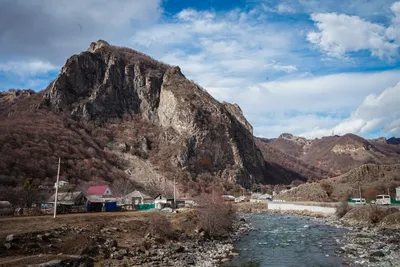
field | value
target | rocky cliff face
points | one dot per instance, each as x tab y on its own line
107	83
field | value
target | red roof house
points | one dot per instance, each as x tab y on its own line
102	190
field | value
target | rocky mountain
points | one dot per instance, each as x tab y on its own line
371	179
114	113
337	154
285	167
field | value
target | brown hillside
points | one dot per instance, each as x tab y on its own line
286	168
113	113
337	154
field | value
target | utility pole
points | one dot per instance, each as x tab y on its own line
56	196
174	194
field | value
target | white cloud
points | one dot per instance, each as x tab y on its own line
376	112
54	30
23	68
284	68
340	34
285	8
212	48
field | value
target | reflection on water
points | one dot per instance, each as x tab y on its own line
287	241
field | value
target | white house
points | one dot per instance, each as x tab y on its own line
398	193
60	184
163	201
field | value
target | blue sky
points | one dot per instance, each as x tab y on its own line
308	67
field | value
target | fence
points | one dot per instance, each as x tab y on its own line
146	206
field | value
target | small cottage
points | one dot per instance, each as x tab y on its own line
163	201
66	202
96	203
136	198
68	198
102	190
60	184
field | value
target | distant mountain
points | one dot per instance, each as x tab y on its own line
336	155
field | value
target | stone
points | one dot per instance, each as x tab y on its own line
7	245
347	262
10	238
377	254
180	249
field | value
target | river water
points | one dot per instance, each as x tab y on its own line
287	241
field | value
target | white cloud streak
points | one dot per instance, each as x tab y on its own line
23	68
376	112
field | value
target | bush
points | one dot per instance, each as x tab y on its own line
327	187
215	216
376	214
159	225
342	209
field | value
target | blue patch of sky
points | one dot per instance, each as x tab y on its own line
172	7
37	82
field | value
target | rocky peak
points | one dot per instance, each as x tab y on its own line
236	111
94	46
107	82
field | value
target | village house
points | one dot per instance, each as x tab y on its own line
66	202
163	201
100	190
398	193
136	200
101	203
60	184
240	199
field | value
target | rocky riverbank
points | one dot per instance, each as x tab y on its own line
365	244
104	249
198	252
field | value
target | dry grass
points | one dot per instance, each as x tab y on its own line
370	214
391	220
251	207
342	209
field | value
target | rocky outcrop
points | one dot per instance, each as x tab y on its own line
107	83
237	112
104	83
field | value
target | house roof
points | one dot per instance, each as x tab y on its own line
66	197
97	190
265	196
99	199
137	194
164	196
4	204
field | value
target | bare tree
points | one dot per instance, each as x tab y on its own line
122	187
29	194
215	216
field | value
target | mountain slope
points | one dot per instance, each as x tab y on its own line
337	154
112	110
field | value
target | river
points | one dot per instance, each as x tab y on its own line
287	241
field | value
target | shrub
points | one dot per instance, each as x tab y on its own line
215	217
342	209
159	225
327	187
376	214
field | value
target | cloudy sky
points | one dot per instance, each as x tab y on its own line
307	67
